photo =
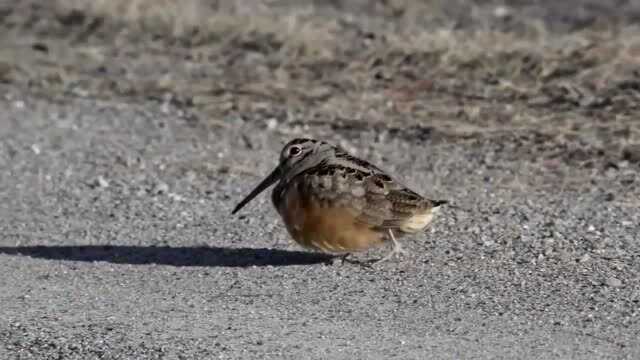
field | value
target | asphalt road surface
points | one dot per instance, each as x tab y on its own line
117	243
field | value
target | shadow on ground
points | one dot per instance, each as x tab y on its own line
175	256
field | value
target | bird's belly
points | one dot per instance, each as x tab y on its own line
320	226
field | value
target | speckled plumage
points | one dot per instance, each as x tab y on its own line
333	202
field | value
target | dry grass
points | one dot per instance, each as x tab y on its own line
397	64
300	32
175	18
199	22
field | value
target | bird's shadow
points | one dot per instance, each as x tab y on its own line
166	255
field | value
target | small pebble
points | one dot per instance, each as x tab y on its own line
272	124
501	12
613	282
161	188
102	182
585	258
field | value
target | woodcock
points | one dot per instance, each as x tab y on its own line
333	202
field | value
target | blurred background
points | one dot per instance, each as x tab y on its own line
458	66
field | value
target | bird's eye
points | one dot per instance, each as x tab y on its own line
294	151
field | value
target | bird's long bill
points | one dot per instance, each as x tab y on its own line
268	181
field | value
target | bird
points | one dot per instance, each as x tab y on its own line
336	203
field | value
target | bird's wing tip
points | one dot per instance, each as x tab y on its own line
437	203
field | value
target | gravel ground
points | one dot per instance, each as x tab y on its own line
118	243
126	138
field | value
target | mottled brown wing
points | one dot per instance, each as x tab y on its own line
401	203
335	186
374	198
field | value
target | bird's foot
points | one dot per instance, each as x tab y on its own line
397	251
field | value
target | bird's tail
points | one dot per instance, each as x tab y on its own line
437	203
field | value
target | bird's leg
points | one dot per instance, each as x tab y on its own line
345	258
397	248
342	258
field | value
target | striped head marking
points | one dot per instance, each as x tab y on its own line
297	156
301	154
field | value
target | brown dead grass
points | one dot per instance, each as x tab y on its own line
199	22
388	67
175	18
301	33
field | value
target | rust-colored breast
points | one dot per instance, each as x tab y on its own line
317	225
